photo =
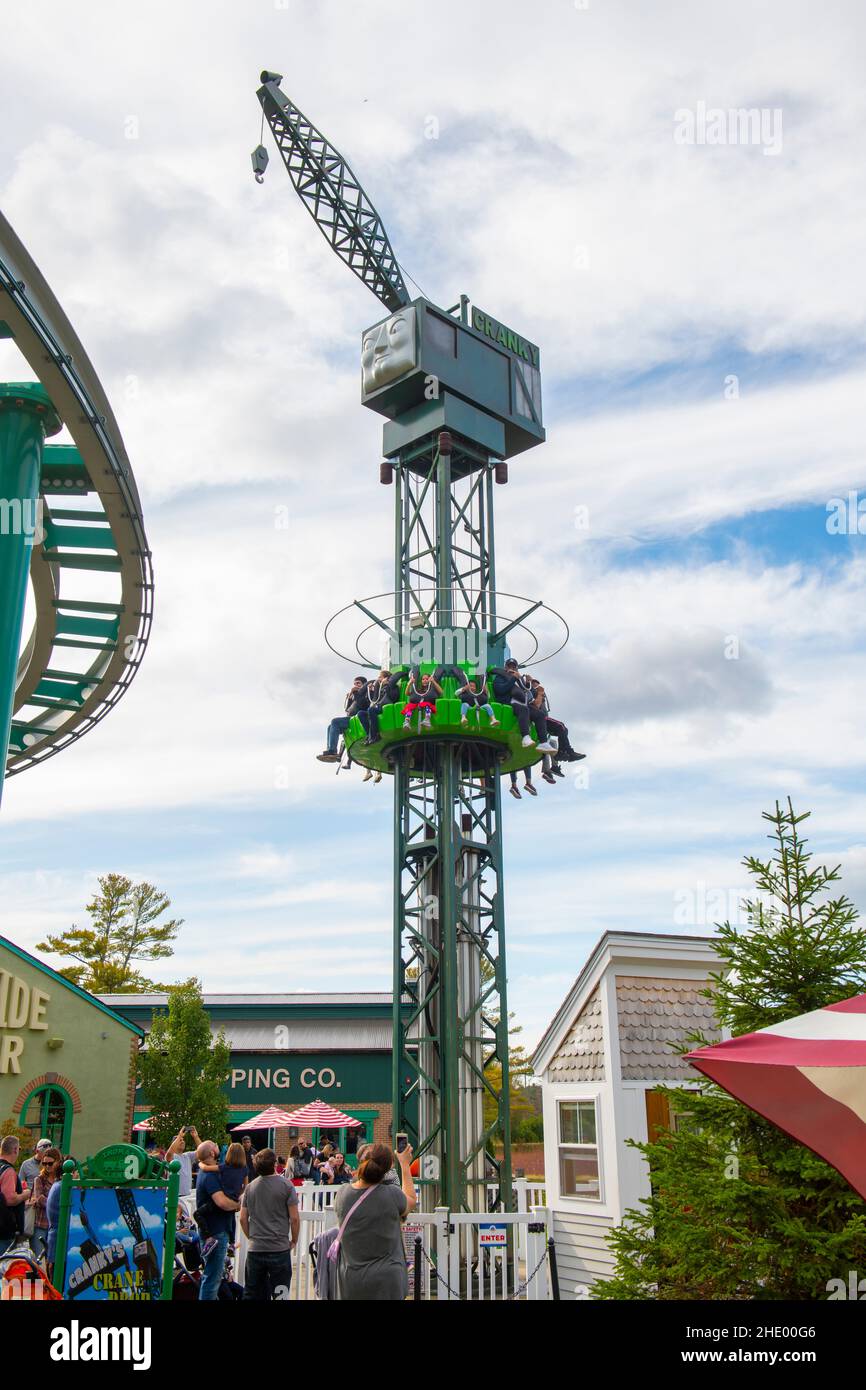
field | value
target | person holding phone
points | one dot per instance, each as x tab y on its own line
372	1261
177	1149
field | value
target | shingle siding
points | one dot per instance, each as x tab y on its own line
581	1056
653	1013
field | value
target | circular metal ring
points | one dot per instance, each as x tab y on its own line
390	624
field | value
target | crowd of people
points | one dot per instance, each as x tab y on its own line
524	693
221	1185
30	1198
235	1183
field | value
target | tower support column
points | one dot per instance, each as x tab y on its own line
27	418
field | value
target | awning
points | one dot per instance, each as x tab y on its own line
808	1076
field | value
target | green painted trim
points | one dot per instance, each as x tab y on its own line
66	1145
76	989
169	1241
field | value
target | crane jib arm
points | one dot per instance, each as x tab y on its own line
333	196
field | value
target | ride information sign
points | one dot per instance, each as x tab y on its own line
114	1245
115	1238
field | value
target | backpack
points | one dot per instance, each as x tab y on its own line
11	1218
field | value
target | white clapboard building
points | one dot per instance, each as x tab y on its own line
600	1063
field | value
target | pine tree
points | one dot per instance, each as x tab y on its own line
183	1068
738	1209
125	928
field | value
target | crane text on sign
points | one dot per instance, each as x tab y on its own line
505	337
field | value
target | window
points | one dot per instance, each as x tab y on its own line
578	1150
48	1115
441	335
527	384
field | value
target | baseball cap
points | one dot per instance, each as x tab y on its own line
44	1144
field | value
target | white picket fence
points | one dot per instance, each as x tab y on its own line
527	1196
457	1262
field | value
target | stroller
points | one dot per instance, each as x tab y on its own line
22	1278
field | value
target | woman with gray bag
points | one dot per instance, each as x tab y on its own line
370	1258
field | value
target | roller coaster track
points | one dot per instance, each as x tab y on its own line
82	653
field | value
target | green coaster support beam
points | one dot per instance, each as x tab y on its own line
27	419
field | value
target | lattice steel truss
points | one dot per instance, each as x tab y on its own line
333	196
450	1011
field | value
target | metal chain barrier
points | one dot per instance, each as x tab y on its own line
521	1289
527	1281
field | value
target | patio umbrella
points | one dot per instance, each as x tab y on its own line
144	1124
317	1115
808	1076
272	1118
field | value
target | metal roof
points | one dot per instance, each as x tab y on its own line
341	1035
312	1000
303	1035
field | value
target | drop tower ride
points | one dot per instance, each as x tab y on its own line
461	396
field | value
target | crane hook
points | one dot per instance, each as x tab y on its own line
259	159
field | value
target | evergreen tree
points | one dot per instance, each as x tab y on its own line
183	1068
738	1209
125	928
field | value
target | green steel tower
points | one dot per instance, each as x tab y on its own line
461	394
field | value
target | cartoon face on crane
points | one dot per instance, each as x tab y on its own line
388	350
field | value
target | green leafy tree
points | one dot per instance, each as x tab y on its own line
127	926
739	1210
183	1068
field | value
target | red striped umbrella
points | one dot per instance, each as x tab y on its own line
318	1115
272	1118
808	1076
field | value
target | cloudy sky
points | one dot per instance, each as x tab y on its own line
699	299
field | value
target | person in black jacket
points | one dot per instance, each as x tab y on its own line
564	753
357	702
384	690
510	688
